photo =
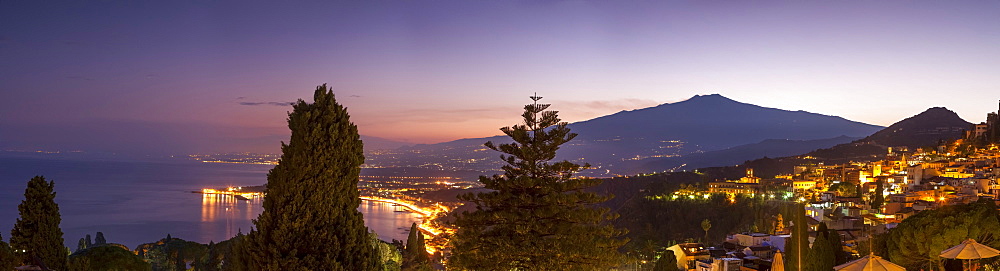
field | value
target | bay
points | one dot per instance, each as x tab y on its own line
135	202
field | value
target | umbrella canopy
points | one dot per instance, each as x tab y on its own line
969	249
778	263
869	263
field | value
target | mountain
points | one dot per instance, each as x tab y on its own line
928	128
737	155
924	129
714	122
703	123
377	143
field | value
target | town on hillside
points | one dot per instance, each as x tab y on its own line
860	201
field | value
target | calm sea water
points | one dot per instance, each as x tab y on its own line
141	202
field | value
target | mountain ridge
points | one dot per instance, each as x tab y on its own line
703	123
871	148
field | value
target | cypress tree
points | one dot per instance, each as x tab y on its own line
310	218
797	246
416	250
858	191
411	239
89	242
37	231
81	245
821	256
837	245
537	216
878	199
99	240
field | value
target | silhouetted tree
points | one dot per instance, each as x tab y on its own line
99	240
166	254
310	218
537	216
821	256
106	257
878	199
7	259
212	260
37	231
667	262
81	245
797	246
231	256
416	250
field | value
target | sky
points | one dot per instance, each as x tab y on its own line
215	76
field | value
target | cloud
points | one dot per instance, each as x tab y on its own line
355	96
442	115
603	105
268	103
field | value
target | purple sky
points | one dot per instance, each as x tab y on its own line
179	75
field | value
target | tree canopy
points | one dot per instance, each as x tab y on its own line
917	241
7	259
36	233
310	218
106	257
537	216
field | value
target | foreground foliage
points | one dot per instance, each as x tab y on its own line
538	217
7	259
917	241
171	254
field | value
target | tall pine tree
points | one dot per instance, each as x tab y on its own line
797	246
311	218
36	233
538	216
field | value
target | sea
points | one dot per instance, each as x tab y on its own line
136	202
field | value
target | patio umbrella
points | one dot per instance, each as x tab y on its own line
778	263
869	263
969	250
